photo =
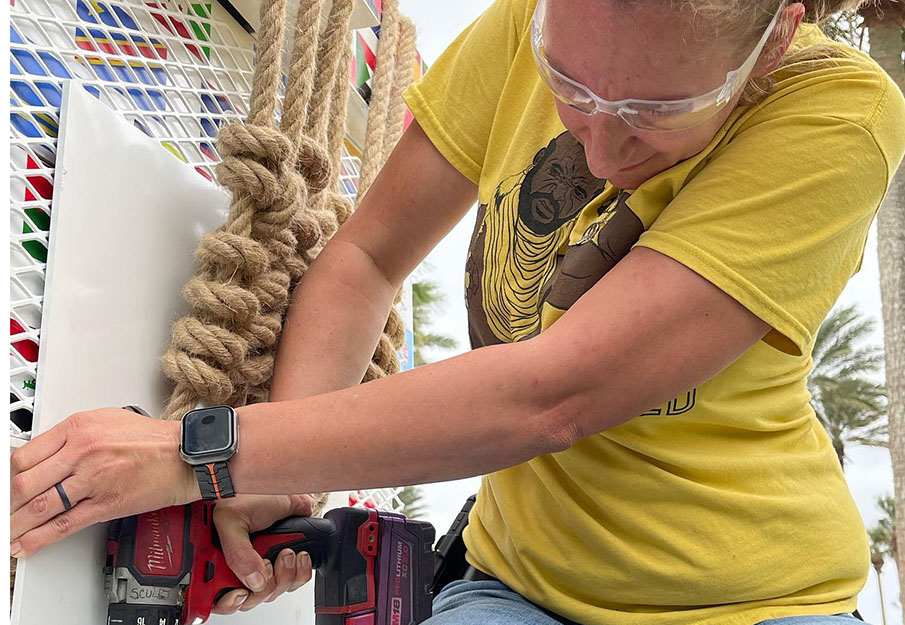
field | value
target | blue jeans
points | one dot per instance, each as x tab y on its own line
489	602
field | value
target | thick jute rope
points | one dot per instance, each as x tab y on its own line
224	349
381	91
328	210
326	124
223	352
385	120
306	174
336	131
402	78
279	216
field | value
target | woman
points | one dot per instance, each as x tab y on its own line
684	188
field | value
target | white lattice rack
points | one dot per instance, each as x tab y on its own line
177	71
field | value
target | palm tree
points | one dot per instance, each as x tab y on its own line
426	298
885	20
850	405
412	498
888	521
882	544
845	26
878	545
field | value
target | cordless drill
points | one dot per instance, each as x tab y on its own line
372	567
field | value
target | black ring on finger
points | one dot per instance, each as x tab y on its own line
66	504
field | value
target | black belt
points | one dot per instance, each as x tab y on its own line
477	575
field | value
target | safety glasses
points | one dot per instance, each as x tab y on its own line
656	115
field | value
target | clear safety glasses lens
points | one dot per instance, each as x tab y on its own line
662	115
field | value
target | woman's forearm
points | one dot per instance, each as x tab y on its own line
439	422
339	309
311	429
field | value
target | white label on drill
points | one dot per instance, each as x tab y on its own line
400	577
396	613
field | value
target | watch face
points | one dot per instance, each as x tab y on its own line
208	431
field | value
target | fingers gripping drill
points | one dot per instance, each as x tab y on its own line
372	567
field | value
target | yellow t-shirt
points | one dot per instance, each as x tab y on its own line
725	506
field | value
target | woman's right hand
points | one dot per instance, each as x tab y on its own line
235	519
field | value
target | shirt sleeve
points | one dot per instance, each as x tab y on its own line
778	219
456	100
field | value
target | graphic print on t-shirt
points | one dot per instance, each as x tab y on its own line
520	258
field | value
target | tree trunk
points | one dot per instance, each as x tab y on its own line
886	47
882	601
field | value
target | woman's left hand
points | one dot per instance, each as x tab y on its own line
110	462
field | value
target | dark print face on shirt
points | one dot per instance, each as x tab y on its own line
519	256
556	186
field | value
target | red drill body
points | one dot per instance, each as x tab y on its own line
372	567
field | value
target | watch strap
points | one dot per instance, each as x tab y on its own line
214	480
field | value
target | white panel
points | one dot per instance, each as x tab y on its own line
178	71
127	219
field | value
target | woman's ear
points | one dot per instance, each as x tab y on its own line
780	40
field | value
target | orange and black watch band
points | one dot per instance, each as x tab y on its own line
214	480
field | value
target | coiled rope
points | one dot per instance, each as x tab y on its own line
279	220
223	351
285	205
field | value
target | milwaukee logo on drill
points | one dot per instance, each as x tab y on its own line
159	538
160	552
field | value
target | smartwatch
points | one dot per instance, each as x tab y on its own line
209	438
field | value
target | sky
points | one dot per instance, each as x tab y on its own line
869	474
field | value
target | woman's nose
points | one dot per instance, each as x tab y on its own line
605	147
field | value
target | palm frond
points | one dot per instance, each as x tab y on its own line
848	401
888	506
412	499
838	339
427	298
438	340
845	26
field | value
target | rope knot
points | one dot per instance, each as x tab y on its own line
260	143
314	164
230	304
274	216
306	230
230	254
280	218
339	205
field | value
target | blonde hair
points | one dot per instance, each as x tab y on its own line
745	20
